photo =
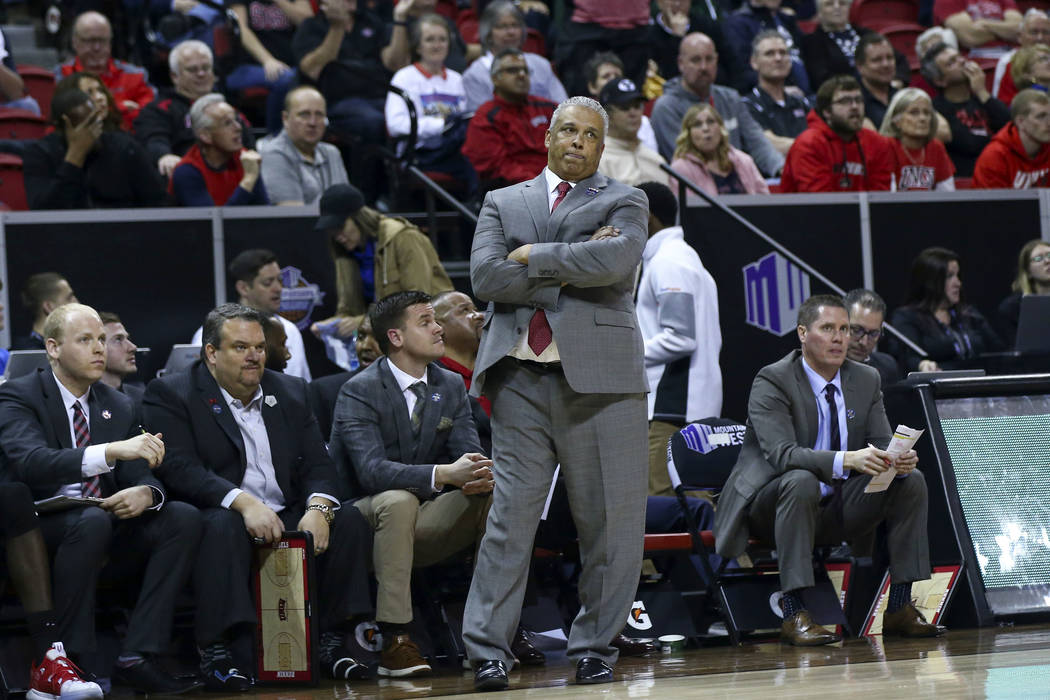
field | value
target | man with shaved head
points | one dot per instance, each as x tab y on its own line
698	65
64	433
92	43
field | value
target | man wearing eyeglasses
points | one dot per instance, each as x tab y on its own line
835	154
505	137
867	311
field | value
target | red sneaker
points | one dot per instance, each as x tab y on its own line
58	678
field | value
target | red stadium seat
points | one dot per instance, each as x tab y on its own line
21	124
964	183
40	85
875	14
12	185
1025	5
902	36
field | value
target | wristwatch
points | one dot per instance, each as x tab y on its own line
324	510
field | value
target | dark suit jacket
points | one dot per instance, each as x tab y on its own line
372	441
781	431
204	452
323	393
887	366
35	443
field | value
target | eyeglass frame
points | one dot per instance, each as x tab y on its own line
858	332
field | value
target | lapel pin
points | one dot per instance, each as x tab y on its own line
435	397
270	400
106	415
850	414
591	191
216	408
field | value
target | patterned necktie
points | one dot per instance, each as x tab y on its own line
540	333
90	487
420	390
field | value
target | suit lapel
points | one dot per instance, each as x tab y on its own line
431	416
56	410
396	400
535	195
850	396
219	409
809	403
101	416
577	197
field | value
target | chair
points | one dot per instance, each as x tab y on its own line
876	14
902	37
12	184
22	125
40	85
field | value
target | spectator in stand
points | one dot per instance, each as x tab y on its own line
1031	68
296	165
599	70
922	162
672	21
952	333
93	87
923	43
80	167
867	311
92	44
217	170
374	256
625	157
264	54
831	48
43	293
460	54
12	87
621	26
1035	29
973	115
754	17
698	62
876	70
987	28
704	156
120	358
461	324
501	27
1018	157
1033	277
779	111
505	138
349	54
163	126
836	154
440	102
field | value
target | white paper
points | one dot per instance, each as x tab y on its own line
904	439
550	494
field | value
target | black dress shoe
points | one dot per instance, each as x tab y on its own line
148	677
634	647
590	670
490	675
523	650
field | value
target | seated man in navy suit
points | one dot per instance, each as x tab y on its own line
402	434
244	447
65	433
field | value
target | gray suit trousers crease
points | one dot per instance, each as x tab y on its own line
788	511
600	442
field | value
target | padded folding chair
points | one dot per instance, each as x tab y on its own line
21	124
876	14
12	183
39	84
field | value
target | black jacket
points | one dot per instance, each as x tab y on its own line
973	336
163	126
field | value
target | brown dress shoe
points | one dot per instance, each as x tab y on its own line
909	622
800	630
634	647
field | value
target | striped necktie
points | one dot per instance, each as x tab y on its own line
91	487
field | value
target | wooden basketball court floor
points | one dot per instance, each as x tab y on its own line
1002	662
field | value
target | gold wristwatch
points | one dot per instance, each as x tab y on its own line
325	510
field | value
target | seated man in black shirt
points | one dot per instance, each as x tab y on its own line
972	113
80	167
867	311
781	113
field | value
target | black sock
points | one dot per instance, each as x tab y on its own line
900	595
791	601
43	630
389	630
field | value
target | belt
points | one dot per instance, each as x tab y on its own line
533	366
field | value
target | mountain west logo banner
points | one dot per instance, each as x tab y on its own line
774	289
299	297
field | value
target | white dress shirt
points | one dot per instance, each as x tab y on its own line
404	381
817	384
93	462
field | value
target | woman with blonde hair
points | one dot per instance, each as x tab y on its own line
922	160
704	156
1030	67
1033	277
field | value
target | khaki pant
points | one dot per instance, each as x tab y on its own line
659	433
412	534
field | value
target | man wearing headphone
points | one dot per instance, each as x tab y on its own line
296	166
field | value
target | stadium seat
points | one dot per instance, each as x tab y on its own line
876	14
12	185
902	37
21	124
40	85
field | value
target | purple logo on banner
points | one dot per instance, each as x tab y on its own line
703	438
298	297
774	288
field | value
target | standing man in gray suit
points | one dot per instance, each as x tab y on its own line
561	361
816	434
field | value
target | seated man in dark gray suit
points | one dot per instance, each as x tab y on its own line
816	434
867	311
244	447
402	436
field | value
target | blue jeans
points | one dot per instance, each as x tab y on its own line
249	75
360	117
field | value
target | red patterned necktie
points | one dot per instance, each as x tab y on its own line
540	333
91	486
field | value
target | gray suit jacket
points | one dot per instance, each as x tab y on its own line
781	429
592	315
372	442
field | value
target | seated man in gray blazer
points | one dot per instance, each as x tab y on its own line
406	447
816	434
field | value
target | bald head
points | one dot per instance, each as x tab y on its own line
697	63
92	37
305	118
63	317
